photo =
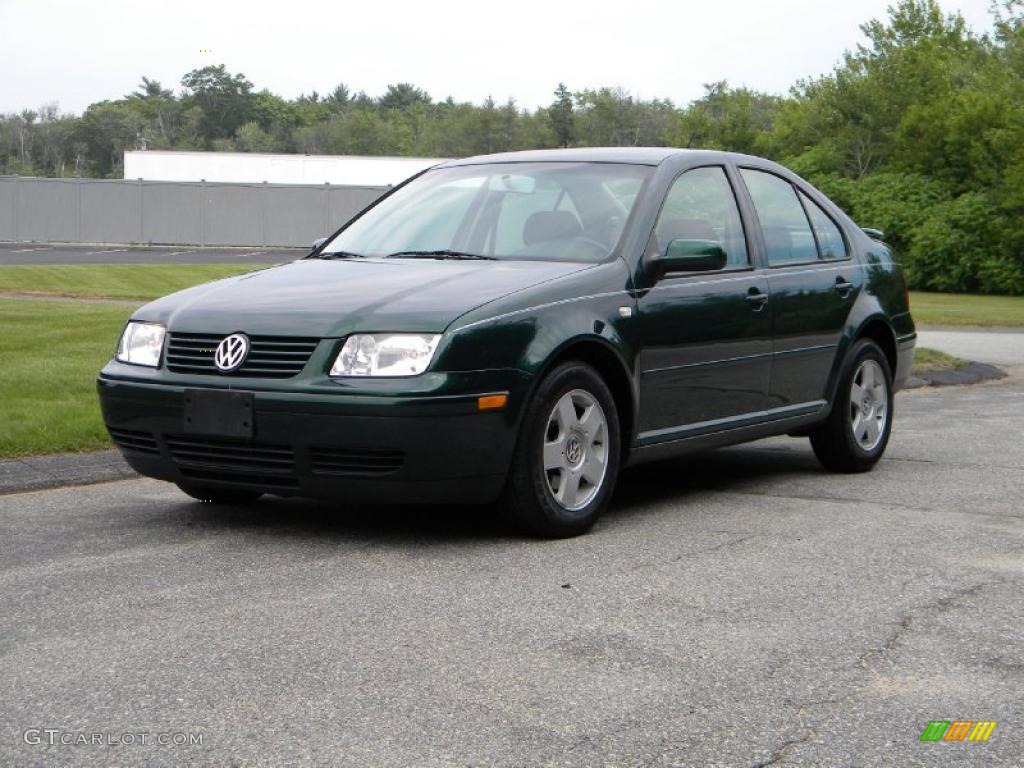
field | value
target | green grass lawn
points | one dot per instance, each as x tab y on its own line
963	309
932	360
112	281
50	353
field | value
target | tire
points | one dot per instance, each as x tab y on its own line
216	495
856	434
566	459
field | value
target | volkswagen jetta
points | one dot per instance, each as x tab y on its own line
523	326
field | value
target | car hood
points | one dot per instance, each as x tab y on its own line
331	298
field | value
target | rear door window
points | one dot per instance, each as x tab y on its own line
787	232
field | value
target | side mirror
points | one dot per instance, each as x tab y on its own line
687	256
318	242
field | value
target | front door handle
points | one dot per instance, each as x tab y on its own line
756	299
844	286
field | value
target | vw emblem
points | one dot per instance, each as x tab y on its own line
573	450
231	352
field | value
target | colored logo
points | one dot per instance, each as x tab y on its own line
958	730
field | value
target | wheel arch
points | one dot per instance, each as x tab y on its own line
880	331
875	327
601	355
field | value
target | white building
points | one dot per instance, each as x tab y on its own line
252	167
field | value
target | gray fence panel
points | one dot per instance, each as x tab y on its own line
233	214
296	215
47	209
173	214
8	193
110	211
346	202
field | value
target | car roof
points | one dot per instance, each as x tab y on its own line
630	155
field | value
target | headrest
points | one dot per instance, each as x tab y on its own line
551	225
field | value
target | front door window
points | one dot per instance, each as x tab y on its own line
701	206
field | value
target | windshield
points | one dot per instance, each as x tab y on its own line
543	211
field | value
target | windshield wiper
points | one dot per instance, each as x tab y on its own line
340	255
441	254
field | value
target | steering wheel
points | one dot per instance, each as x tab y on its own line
599	249
580	248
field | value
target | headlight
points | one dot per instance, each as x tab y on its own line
385	354
141	344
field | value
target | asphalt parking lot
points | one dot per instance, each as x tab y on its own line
742	608
43	253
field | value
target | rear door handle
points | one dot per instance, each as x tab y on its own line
756	299
844	286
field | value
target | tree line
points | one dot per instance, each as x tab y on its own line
919	131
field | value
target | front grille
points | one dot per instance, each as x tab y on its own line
270	357
239	478
132	440
228	461
366	461
212	459
231	456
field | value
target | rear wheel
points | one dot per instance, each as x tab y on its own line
216	495
567	458
857	431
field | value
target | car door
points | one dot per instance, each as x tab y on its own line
705	354
812	282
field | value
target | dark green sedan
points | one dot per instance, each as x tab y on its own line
523	326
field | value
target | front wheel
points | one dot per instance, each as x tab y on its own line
567	457
857	431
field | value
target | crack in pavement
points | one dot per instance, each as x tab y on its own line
936	607
854	500
958	465
904	625
694	553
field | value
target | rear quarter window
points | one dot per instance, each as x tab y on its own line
830	240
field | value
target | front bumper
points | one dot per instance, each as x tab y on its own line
421	441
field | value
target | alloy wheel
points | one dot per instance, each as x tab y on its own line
869	404
575	449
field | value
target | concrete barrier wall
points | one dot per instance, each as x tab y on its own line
174	213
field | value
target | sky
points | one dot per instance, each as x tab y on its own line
75	53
